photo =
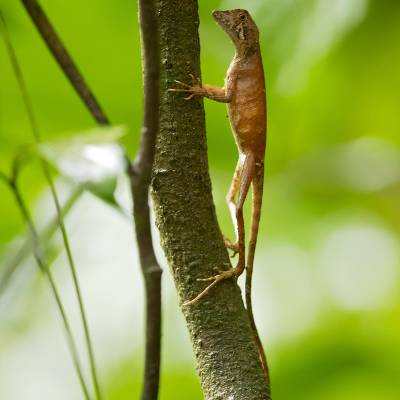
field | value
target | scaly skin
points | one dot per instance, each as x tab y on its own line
244	93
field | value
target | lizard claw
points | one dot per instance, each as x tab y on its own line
195	81
211	278
193	90
190	97
231	273
185	85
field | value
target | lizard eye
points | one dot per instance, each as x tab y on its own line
242	17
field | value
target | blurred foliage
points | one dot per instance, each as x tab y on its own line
333	162
92	160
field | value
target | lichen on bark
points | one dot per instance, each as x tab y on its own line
226	355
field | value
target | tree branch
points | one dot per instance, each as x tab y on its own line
222	340
140	173
64	60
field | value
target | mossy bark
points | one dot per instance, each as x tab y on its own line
227	358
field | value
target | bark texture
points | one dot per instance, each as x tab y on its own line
227	358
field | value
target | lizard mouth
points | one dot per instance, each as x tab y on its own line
215	13
220	16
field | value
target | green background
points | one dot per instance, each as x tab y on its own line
328	261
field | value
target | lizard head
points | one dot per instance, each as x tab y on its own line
239	25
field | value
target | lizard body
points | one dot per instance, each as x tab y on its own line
244	93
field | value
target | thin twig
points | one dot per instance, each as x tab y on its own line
4	177
44	267
65	61
49	179
140	174
45	235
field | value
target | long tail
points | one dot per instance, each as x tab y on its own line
255	221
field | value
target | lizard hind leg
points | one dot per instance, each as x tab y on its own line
230	200
246	176
255	221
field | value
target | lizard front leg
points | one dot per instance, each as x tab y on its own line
220	94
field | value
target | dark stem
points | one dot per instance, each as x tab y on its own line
44	267
63	58
140	173
46	171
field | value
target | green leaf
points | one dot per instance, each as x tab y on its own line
93	159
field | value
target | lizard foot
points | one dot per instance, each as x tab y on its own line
195	89
232	273
231	246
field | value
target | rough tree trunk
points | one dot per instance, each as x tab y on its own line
227	359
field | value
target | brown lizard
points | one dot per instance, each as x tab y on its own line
244	92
